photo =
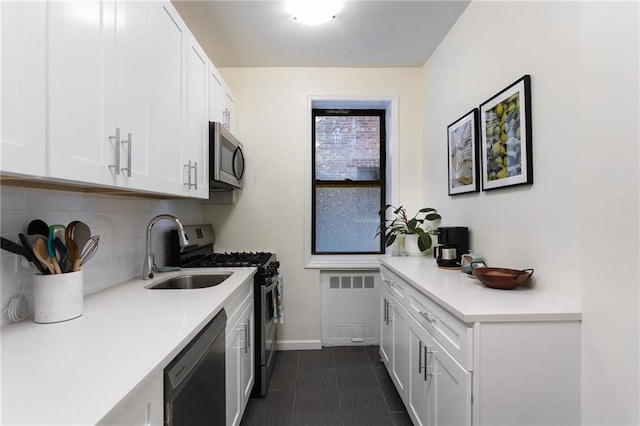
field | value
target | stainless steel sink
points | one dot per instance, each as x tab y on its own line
185	282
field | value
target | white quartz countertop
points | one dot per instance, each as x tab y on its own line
470	301
75	372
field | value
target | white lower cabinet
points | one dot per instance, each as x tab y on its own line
502	369
439	390
239	356
145	409
394	336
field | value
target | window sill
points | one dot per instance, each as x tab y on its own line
360	261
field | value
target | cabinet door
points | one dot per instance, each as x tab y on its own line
399	337
419	405
197	121
451	388
385	329
80	86
146	409
235	345
132	89
23	87
167	53
216	95
248	356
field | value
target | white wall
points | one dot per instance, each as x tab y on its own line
578	224
121	223
269	213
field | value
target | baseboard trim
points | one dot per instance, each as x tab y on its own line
299	345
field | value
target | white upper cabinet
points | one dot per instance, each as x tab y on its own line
132	95
167	57
221	99
23	87
197	166
111	93
80	85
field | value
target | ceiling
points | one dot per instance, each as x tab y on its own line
373	33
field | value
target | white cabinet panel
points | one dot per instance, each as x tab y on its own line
167	55
145	409
197	121
132	94
80	77
23	87
247	367
394	340
221	100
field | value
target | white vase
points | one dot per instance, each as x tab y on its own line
411	246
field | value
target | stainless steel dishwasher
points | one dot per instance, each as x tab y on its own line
194	382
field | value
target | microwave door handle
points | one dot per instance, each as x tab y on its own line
237	151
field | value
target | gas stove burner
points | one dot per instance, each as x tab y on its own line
231	260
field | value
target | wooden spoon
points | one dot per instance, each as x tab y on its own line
42	254
72	247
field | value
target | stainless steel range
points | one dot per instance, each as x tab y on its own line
200	254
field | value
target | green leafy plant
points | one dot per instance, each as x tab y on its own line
401	224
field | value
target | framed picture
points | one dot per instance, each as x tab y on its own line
462	150
505	129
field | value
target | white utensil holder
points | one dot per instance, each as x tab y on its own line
57	297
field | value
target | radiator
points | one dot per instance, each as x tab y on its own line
349	308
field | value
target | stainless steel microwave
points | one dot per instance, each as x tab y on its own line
226	158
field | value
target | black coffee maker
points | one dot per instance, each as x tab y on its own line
453	242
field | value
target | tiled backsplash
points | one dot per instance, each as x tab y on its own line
120	221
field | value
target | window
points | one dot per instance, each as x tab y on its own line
348	183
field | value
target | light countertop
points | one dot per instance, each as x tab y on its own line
470	301
75	372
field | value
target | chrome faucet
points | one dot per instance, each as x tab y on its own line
149	266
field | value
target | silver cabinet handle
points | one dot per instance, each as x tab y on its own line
386	312
195	176
128	143
420	346
426	365
189	167
116	139
246	336
431	318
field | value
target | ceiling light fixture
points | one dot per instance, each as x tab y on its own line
313	12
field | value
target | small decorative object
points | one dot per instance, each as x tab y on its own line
401	224
462	148
505	128
502	278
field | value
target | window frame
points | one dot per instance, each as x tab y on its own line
380	183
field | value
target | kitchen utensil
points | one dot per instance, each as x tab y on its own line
72	247
90	249
12	247
51	248
30	256
81	235
502	278
42	254
62	254
38	227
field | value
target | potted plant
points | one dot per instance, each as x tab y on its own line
402	225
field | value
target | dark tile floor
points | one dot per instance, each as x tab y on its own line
340	386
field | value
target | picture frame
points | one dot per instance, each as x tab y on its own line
505	137
462	154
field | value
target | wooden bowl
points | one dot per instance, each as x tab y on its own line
502	278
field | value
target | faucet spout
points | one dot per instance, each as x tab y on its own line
149	266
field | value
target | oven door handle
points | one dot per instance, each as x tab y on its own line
267	289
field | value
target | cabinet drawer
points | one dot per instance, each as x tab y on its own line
237	303
394	284
454	335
